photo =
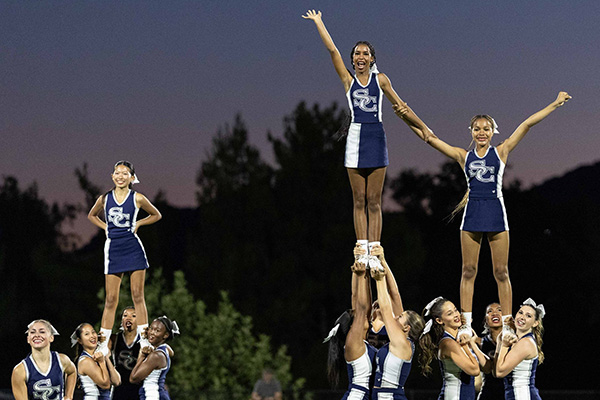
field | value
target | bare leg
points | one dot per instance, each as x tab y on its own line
375	182
137	295
359	185
470	243
111	301
499	244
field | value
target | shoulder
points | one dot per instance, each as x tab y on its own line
382	79
19	371
65	361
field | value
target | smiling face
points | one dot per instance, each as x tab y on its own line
39	336
450	317
157	333
482	131
122	177
526	319
362	58
493	316
88	338
128	321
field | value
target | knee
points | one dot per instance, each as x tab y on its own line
111	301
501	273
469	271
374	203
137	295
359	199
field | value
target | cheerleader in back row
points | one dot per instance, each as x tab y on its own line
366	149
123	251
492	388
347	345
484	213
154	362
96	372
517	362
44	374
459	363
125	347
404	327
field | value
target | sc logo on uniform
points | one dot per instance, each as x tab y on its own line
44	390
362	100
478	169
118	218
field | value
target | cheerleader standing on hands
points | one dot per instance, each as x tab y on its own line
123	251
366	150
484	213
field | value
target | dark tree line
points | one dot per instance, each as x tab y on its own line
278	238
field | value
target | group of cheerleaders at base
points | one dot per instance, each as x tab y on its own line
366	160
140	349
378	369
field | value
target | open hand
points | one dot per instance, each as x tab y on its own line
312	14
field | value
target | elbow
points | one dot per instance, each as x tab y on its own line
500	373
134	379
473	370
158	215
104	384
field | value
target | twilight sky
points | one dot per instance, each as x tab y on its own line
152	81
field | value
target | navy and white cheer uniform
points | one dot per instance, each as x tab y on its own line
520	383
50	384
485	211
123	250
457	384
391	374
125	357
359	375
153	387
90	389
366	145
492	388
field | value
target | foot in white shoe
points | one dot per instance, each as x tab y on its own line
375	263
103	347
508	333
145	343
363	259
464	334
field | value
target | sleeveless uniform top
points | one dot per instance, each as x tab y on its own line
457	384
125	358
153	387
520	383
48	385
123	250
485	211
366	144
90	389
359	374
492	387
391	374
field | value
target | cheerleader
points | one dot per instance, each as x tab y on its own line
44	374
96	372
517	362
394	359
123	251
125	347
366	157
485	214
492	388
459	363
154	362
347	345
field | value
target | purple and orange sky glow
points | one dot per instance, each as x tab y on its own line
152	81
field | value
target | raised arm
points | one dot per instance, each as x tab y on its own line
392	286
153	213
509	144
336	57
424	133
354	346
408	115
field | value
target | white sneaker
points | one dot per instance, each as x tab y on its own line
508	332
375	263
464	331
363	259
103	347
145	343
